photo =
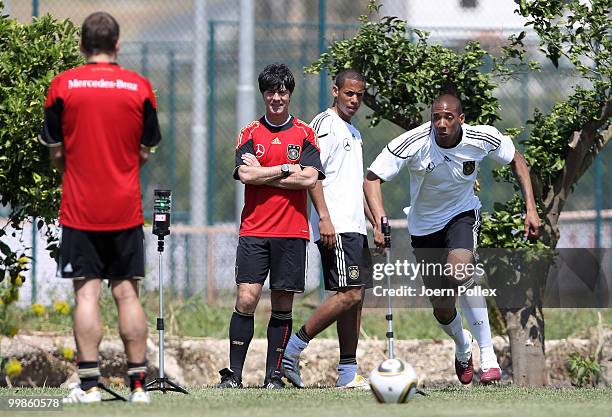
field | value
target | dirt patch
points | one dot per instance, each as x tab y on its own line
196	362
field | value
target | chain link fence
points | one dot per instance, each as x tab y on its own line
157	40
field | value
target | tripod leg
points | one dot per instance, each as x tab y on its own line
111	392
176	387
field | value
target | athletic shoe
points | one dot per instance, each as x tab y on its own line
77	395
229	379
464	368
359	382
489	370
274	381
490	375
290	366
139	395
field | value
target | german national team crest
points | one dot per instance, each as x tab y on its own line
293	152
469	167
353	272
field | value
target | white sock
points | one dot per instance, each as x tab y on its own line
455	330
474	308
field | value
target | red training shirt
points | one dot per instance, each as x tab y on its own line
101	114
270	211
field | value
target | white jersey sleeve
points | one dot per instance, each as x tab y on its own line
399	152
499	147
386	165
323	126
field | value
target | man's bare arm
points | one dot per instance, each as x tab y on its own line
368	212
258	175
521	173
299	179
373	195
144	154
57	157
326	228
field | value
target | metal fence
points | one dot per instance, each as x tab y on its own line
157	40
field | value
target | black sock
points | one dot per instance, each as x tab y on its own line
348	359
137	372
279	331
242	326
88	372
303	335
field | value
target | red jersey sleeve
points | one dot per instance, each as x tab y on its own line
244	144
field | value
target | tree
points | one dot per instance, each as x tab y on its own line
30	55
561	147
405	73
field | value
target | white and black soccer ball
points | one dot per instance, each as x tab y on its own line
393	381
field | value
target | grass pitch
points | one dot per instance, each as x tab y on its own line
495	401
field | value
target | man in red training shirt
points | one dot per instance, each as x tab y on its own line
100	122
277	158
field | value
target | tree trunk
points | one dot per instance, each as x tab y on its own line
525	326
526	332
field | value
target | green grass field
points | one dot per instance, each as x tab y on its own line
460	401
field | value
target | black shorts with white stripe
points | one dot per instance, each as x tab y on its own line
461	232
348	264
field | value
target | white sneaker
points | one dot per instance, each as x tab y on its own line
139	395
77	395
359	382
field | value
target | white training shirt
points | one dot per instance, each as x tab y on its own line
441	180
342	160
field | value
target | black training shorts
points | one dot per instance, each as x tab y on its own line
107	255
348	264
286	259
461	232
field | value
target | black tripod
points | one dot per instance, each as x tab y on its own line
161	228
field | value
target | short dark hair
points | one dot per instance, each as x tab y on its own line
99	34
274	77
348	74
452	96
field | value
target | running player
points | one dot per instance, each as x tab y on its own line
443	156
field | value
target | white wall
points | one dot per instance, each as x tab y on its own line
448	14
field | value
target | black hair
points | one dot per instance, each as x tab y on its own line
274	77
99	34
348	74
449	94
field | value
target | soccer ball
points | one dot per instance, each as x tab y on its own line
393	381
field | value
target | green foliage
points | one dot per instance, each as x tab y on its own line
580	32
577	30
583	369
405	73
504	227
547	146
30	55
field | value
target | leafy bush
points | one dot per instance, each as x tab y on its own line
30	56
583	369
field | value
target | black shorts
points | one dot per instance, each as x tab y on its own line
286	259
348	264
461	232
107	255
